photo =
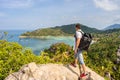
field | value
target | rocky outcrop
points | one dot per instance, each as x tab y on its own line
32	71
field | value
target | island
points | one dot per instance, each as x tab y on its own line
64	30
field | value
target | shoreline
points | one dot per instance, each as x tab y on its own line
43	37
49	37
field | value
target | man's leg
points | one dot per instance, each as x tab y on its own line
83	67
76	59
81	61
74	63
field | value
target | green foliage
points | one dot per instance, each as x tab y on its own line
65	30
61	53
111	31
101	56
13	56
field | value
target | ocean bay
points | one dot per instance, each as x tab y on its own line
36	44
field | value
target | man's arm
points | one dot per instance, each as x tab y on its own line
77	44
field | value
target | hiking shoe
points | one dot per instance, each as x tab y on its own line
73	64
83	75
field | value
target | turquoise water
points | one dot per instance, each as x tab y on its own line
37	45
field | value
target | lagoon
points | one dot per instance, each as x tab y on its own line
36	44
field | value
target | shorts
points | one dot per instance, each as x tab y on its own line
79	56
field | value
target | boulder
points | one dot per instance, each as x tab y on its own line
33	71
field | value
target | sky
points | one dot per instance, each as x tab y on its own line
34	14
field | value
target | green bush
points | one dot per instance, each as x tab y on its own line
60	52
101	56
13	56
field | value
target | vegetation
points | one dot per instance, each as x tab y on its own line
61	53
111	31
65	30
13	56
101	56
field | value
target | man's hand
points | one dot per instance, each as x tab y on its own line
75	51
76	45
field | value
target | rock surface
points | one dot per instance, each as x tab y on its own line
32	71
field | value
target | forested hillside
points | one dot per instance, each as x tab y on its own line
65	30
104	55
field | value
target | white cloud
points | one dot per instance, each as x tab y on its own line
16	3
108	5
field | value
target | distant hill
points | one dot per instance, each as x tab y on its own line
111	30
64	30
114	26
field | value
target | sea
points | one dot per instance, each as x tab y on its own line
35	44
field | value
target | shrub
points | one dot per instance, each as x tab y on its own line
13	56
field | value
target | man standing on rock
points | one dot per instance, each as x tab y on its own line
77	52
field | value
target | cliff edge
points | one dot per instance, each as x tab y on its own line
34	71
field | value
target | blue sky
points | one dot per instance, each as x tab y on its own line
34	14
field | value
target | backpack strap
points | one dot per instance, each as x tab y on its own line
81	32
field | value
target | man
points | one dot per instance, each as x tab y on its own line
77	52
